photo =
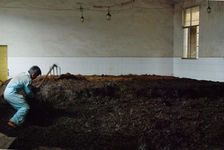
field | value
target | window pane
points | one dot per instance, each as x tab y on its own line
197	48
187	17
197	36
185	44
193	42
195	16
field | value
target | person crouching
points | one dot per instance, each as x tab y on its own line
12	95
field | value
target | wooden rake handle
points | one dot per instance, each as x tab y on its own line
39	85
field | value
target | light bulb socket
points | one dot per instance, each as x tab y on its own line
108	16
81	11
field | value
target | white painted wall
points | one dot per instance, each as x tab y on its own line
137	40
209	66
94	65
201	69
146	39
146	30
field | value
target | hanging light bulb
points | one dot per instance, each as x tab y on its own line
209	8
81	11
108	16
82	19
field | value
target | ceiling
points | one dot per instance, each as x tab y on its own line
106	3
122	1
87	4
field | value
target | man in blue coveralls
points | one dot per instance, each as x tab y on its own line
12	94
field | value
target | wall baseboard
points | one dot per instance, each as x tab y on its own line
201	69
94	65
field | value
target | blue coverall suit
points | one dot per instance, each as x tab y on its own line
11	94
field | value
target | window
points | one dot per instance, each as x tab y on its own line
191	32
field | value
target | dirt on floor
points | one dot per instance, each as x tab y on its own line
147	112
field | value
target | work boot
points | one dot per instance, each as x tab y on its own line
11	124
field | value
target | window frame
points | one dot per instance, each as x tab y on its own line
189	38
